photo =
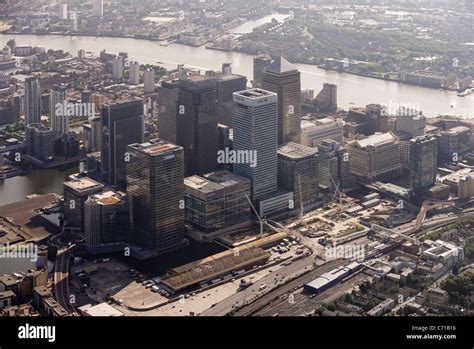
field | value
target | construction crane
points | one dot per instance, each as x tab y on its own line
301	199
336	191
258	216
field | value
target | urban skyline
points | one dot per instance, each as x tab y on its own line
169	189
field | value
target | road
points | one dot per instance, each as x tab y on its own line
284	291
284	274
301	304
61	280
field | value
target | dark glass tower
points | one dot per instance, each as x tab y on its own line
197	124
122	124
281	78
155	185
167	102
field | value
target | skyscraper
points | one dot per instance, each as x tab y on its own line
167	110
377	118
40	142
423	161
205	204
106	219
197	123
298	172
117	67
76	191
328	163
453	144
98	8
32	101
326	100
63	11
122	124
283	79
227	84
260	63
59	120
149	80
134	73
96	134
255	131
75	20
411	122
155	185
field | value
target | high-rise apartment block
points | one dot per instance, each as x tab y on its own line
149	80
134	73
98	8
117	67
58	116
32	101
39	142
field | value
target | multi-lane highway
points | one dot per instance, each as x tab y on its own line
284	291
282	275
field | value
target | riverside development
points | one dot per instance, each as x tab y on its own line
178	169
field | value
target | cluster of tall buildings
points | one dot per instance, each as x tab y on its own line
222	148
45	143
174	182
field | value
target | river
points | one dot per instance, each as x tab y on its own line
39	182
352	89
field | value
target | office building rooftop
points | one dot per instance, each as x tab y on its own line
155	147
226	178
201	184
254	93
80	183
296	151
376	140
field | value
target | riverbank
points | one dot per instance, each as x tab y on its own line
351	88
320	66
207	46
137	37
